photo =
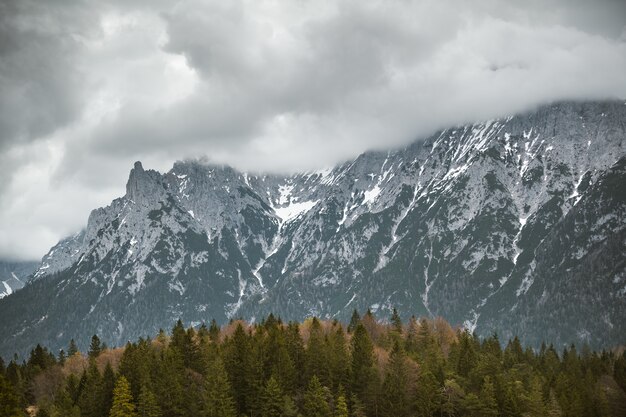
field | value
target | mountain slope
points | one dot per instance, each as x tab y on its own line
501	226
14	275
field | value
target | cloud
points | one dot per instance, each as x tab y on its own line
88	87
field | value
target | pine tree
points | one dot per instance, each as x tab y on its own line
289	408
217	400
40	358
362	361
316	354
147	405
168	383
178	336
315	403
396	322
467	355
510	403
411	336
9	401
297	353
64	405
356	407
95	348
122	400
394	398
354	321
273	401
107	387
341	407
236	361
472	406
191	351
214	332
489	405
534	400
73	349
62	357
427	395
91	398
338	361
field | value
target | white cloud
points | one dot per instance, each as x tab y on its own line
264	85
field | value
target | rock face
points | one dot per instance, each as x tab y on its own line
14	275
513	225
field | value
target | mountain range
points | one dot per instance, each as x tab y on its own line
514	225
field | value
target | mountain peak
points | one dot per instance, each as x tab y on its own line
143	185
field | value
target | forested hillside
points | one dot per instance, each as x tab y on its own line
315	369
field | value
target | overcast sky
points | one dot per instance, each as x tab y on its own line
88	87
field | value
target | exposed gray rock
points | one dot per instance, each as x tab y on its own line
14	275
509	225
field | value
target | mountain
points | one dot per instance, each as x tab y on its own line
14	275
513	226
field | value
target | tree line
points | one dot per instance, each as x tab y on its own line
315	369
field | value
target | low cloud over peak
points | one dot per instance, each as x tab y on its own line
89	87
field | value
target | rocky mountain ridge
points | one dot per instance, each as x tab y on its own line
514	225
14	275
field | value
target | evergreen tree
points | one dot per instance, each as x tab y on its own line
356	407
362	361
467	355
217	400
91	399
107	387
214	332
236	362
191	351
315	402
354	321
394	398
9	400
64	406
40	358
338	361
289	408
297	353
62	357
316	354
178	336
489	405
122	400
73	349
427	395
341	407
411	336
95	348
273	401
396	322
147	405
168	383
534	400
510	401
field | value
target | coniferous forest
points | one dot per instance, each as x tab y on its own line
315	369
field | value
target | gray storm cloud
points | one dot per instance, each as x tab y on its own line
88	87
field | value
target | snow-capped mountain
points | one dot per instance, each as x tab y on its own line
14	275
513	225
